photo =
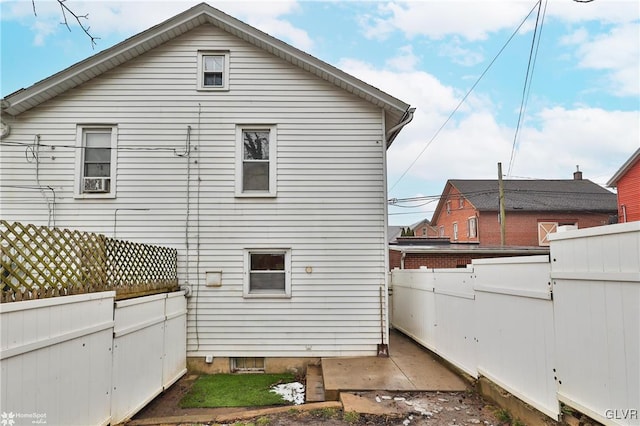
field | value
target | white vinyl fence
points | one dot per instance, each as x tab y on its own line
547	331
596	288
87	360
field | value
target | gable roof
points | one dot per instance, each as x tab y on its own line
635	157
397	111
566	195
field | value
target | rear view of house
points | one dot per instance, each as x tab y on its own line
262	165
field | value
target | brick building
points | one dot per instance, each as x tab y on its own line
415	252
627	181
468	210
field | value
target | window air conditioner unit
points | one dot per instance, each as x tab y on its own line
95	185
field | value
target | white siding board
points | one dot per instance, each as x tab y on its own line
329	209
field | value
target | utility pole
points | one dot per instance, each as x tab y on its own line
502	214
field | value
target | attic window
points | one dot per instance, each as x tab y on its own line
213	70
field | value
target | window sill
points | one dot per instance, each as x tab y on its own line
108	196
266	296
256	195
212	89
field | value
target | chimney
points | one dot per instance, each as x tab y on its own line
577	175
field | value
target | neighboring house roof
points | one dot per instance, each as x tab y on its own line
22	100
460	248
421	223
393	232
567	195
635	157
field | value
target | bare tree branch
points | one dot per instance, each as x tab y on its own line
65	9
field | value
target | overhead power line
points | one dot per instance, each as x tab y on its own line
528	79
464	98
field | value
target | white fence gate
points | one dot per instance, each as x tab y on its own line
85	360
596	288
566	330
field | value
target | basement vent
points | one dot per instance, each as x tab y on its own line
247	365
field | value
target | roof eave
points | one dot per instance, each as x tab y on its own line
626	166
25	99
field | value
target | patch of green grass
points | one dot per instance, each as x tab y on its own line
235	390
351	417
503	415
325	412
263	421
518	422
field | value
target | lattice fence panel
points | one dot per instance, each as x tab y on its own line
39	262
140	268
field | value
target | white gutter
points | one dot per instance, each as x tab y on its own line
408	118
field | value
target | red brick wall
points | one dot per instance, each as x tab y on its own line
436	260
457	214
629	194
522	227
394	259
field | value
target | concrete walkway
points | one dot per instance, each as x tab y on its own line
410	367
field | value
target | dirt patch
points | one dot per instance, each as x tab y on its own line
395	408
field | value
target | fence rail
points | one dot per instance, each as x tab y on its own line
564	329
38	262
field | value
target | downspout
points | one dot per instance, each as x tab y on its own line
393	132
403	254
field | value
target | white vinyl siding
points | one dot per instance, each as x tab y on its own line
329	208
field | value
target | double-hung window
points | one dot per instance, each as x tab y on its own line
472	227
455	231
213	70
96	161
267	273
256	161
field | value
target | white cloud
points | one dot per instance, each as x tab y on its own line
551	142
472	20
617	52
405	60
460	55
126	18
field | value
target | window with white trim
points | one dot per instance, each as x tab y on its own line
448	204
213	70
267	273
472	227
455	231
256	167
96	157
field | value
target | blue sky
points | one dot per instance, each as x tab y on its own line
582	107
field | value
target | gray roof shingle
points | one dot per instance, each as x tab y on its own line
538	195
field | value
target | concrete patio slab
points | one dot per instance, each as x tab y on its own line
409	368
